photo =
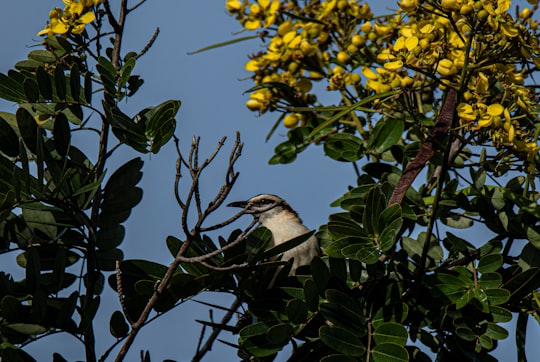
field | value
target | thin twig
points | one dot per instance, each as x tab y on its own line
149	44
120	291
215	331
195	171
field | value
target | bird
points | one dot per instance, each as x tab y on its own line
276	215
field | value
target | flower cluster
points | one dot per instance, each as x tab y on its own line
475	46
74	17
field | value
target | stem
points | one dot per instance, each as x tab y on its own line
92	269
215	332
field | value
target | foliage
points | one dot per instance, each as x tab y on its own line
442	89
60	211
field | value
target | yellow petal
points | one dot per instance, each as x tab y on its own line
233	5
411	43
264	3
87	18
46	31
400	44
252	24
386	56
485	121
368	73
495	109
509	30
252	65
393	65
59	27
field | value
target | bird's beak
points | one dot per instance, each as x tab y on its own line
241	204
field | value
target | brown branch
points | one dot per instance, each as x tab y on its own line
195	171
201	258
427	150
92	267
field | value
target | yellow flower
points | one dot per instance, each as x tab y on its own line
233	5
408	5
451	5
73	18
446	67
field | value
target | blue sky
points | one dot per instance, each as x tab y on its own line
211	89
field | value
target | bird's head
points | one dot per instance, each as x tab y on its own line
264	205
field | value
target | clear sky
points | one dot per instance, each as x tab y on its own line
211	89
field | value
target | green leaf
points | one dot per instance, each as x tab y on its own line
28	129
393	333
320	273
48	256
75	83
500	315
343	147
283	153
42	56
529	257
533	236
31	90
185	285
62	134
89	314
43	221
117	325
128	131
495	331
465	334
288	245
297	311
143	269
375	205
497	296
522	284
107	258
44	83
311	295
111	237
88	88
490	263
279	334
161	124
457	221
60	82
342	341
387	352
490	281
339	316
225	43
125	72
395	312
30	329
11	90
386	134
9	144
529	206
255	329
366	251
120	194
